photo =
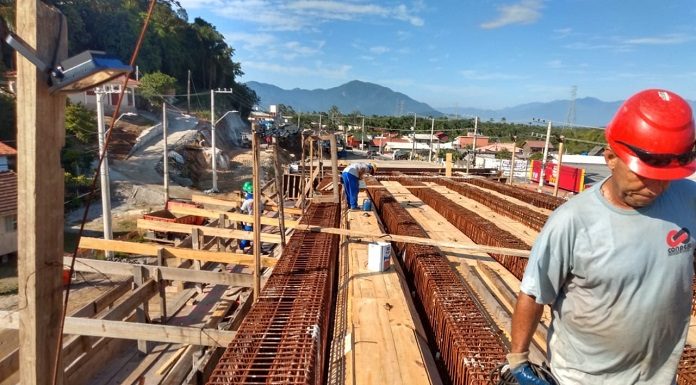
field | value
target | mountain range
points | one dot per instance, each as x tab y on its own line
373	99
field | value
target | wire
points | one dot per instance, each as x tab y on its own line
59	348
504	375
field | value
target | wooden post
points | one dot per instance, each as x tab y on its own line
320	149
302	163
334	167
560	163
281	196
161	285
257	214
512	161
197	244
311	167
40	137
448	164
140	275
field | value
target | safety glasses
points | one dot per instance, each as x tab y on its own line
660	160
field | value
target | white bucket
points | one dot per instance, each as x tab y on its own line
378	255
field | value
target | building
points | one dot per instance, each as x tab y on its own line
468	140
534	146
8	203
113	87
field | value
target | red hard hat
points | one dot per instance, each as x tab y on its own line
650	125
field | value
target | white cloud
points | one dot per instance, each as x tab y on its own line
524	12
302	14
477	75
379	50
670	39
250	40
319	70
555	64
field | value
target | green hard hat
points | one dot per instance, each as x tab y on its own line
248	187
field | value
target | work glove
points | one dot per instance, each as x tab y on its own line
520	369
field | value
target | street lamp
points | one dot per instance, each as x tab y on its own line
104	178
78	73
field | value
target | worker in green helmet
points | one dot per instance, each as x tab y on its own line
247	208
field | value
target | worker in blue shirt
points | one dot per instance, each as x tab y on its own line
351	176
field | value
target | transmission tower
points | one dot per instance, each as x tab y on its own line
570	119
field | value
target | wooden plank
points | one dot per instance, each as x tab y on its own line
135	331
9	365
168	273
364	235
279	189
233	216
208	231
379	345
105	300
216	201
40	138
176	252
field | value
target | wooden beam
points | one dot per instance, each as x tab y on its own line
208	231
280	192
448	164
233	216
256	245
40	138
135	331
168	273
234	203
334	167
363	235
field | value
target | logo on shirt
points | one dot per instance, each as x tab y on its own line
679	241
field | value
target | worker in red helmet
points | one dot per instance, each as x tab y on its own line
616	262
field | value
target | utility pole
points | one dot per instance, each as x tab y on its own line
104	170
473	143
432	133
188	93
558	168
543	160
298	120
413	129
212	134
362	137
165	168
512	162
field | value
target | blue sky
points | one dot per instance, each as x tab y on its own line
466	53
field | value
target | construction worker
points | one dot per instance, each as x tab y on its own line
247	207
616	261
351	176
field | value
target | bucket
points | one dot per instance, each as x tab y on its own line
367	205
378	254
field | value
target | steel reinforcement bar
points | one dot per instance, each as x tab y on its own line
532	197
479	229
467	339
284	338
529	217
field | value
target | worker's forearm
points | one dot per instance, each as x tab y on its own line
525	320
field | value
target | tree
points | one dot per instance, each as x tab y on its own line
503	154
80	122
155	86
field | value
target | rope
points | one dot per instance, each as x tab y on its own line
136	50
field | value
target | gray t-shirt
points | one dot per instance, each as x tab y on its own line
619	282
356	168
